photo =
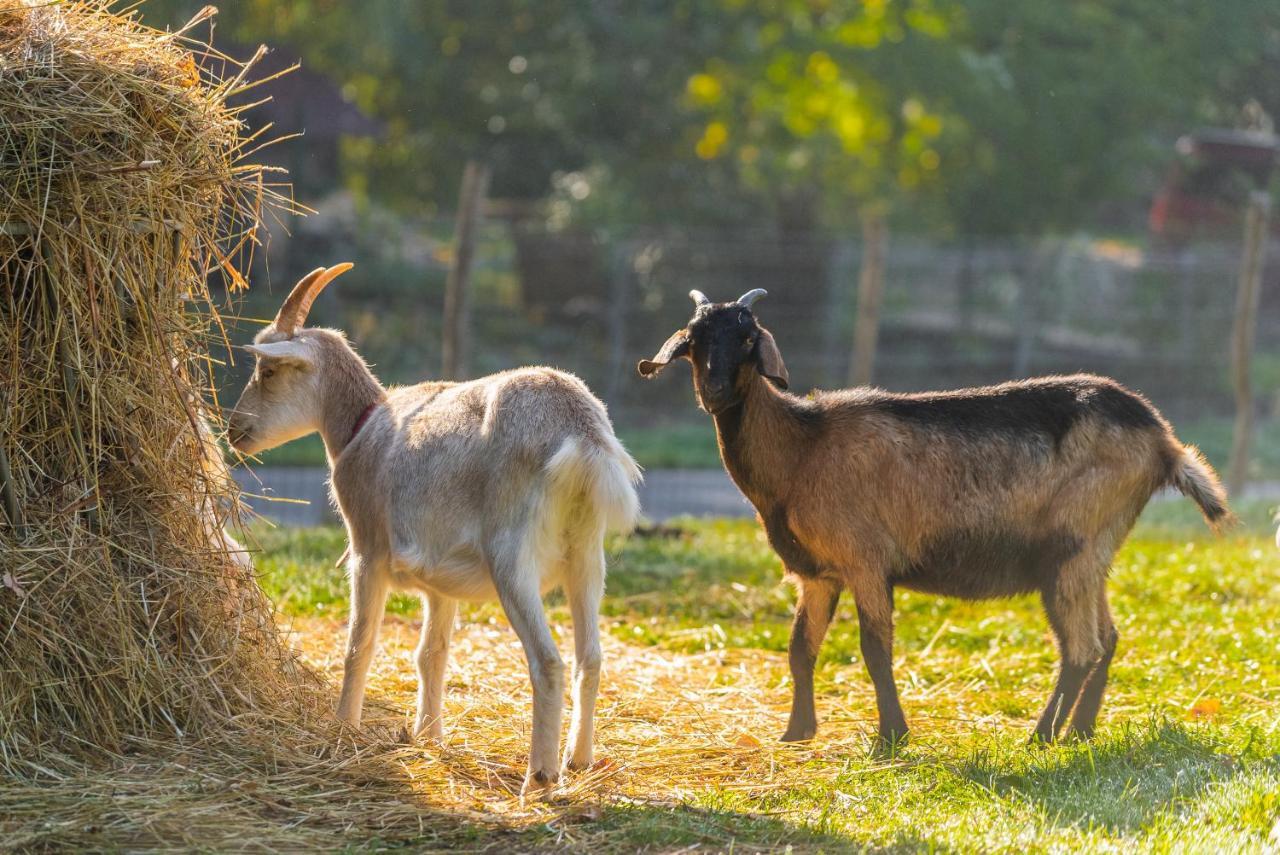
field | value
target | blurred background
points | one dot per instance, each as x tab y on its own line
935	193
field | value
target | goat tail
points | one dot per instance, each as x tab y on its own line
1194	478
603	472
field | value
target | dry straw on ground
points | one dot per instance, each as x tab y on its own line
147	700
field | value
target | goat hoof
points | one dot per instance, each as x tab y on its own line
890	742
799	734
1080	734
572	765
539	782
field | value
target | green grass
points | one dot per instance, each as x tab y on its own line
1198	619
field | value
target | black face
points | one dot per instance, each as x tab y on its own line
726	347
722	343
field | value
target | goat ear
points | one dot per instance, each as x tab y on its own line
290	351
769	360
676	347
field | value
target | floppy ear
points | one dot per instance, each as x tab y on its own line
290	352
769	360
676	347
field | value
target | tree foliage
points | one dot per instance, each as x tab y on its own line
977	116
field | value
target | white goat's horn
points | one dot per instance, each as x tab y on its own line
751	296
293	313
699	298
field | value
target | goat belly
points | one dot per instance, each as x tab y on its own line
977	564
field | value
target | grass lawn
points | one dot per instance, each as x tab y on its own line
696	691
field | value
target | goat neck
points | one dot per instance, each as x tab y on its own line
762	439
349	391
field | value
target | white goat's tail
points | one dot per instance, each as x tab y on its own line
604	472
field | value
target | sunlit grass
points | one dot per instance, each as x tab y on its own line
1187	755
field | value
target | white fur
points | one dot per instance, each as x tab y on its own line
503	487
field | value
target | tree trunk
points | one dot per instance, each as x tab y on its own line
1242	336
457	292
866	330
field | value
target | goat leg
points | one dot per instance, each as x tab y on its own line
1086	713
368	602
814	609
432	657
1071	606
517	581
875	628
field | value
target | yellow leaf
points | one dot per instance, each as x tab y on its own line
746	740
1206	708
704	88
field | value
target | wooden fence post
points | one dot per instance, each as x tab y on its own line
866	328
457	291
1248	293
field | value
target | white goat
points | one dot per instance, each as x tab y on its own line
499	487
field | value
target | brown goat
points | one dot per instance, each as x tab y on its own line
1025	487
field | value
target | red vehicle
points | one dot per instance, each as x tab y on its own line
1205	190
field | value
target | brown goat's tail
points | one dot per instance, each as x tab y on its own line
1195	479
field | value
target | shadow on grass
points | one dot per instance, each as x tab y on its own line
639	826
1121	783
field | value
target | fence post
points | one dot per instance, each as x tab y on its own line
1248	294
457	296
866	326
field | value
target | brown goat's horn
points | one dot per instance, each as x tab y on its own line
751	296
699	298
293	313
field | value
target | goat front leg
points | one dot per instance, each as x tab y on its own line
815	607
369	584
584	588
517	584
874	599
432	657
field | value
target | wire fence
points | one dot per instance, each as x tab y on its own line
954	314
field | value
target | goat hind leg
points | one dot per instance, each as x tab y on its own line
1073	615
432	657
1086	713
517	583
584	587
815	607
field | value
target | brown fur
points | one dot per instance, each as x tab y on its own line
1023	488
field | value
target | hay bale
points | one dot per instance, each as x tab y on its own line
147	702
122	614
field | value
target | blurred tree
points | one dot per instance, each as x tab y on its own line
974	116
1073	106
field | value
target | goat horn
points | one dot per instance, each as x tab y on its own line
699	298
293	313
751	296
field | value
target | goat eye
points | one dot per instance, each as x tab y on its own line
266	373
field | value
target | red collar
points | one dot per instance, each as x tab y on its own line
363	417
